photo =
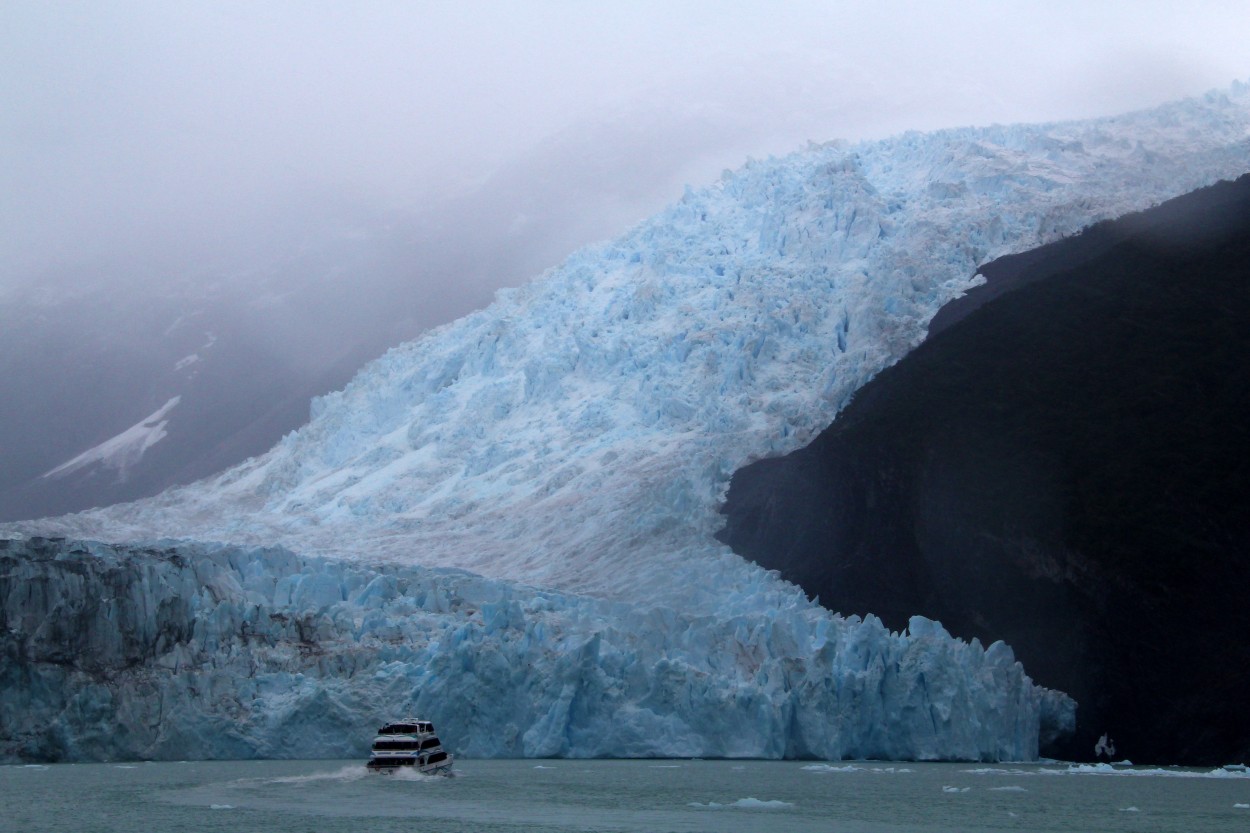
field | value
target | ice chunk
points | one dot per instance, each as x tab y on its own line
757	804
745	803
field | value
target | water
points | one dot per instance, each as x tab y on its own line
651	796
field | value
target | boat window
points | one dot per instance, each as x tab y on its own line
429	743
436	757
396	745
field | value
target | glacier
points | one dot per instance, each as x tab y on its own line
185	650
574	440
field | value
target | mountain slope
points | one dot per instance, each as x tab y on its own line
1065	466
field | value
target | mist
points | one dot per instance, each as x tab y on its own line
129	126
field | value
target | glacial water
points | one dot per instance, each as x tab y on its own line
648	795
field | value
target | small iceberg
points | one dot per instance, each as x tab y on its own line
743	803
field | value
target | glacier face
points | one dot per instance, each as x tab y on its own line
569	447
188	650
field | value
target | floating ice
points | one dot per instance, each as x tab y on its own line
1152	772
744	803
832	768
888	770
755	803
1231	771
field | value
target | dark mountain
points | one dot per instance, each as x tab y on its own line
1064	464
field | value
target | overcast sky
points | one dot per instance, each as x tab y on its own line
124	123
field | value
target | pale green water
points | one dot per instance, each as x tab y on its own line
652	796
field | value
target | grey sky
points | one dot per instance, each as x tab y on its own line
127	123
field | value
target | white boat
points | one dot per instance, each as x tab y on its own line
409	743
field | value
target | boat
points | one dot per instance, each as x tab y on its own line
409	743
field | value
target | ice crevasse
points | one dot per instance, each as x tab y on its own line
575	438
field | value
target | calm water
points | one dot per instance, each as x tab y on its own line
652	796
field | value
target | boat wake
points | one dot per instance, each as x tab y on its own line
351	772
408	773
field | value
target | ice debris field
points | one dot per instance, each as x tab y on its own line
569	447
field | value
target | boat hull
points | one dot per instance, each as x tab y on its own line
389	765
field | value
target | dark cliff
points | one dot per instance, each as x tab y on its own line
1064	465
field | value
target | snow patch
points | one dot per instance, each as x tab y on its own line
123	451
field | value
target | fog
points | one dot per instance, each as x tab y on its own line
130	126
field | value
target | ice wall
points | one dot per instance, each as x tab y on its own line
192	651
